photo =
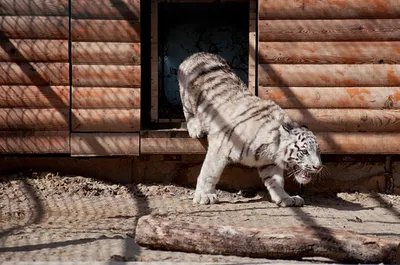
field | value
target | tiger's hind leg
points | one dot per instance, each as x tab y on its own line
272	176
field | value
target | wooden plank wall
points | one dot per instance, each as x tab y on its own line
105	77
335	66
34	77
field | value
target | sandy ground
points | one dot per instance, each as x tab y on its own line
47	217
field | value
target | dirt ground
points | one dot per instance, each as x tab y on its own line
48	217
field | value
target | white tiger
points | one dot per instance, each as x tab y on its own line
242	128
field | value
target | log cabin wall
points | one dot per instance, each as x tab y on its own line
106	77
70	83
34	77
335	66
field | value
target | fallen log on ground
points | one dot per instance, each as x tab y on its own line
273	243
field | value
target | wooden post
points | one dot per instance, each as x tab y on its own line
252	45
154	60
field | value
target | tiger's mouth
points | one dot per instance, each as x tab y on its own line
302	176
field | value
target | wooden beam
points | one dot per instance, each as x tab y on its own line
329	52
43	142
28	27
333	97
323	9
106	75
34	97
106	53
104	144
106	9
330	30
105	30
344	75
154	61
105	97
359	143
40	74
178	142
293	242
26	119
17	50
170	142
347	120
34	8
105	120
252	45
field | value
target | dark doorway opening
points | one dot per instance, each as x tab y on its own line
186	28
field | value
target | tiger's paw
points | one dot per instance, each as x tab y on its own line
291	201
205	198
194	128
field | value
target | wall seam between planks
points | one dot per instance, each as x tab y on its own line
257	42
70	69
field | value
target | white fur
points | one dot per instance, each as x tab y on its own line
240	127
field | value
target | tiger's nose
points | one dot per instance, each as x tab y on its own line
317	168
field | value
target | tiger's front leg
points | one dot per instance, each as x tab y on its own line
210	173
272	177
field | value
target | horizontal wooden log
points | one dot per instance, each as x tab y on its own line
347	120
17	50
333	97
105	30
330	30
24	119
329	52
43	142
171	142
105	97
105	144
40	74
105	120
323	9
329	75
107	9
34	97
294	242
106	75
178	142
106	53
26	27
34	8
359	143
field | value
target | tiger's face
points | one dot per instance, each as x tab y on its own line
304	155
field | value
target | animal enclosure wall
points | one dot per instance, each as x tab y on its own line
75	78
334	65
106	77
34	77
70	77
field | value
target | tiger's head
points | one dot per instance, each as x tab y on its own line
302	153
